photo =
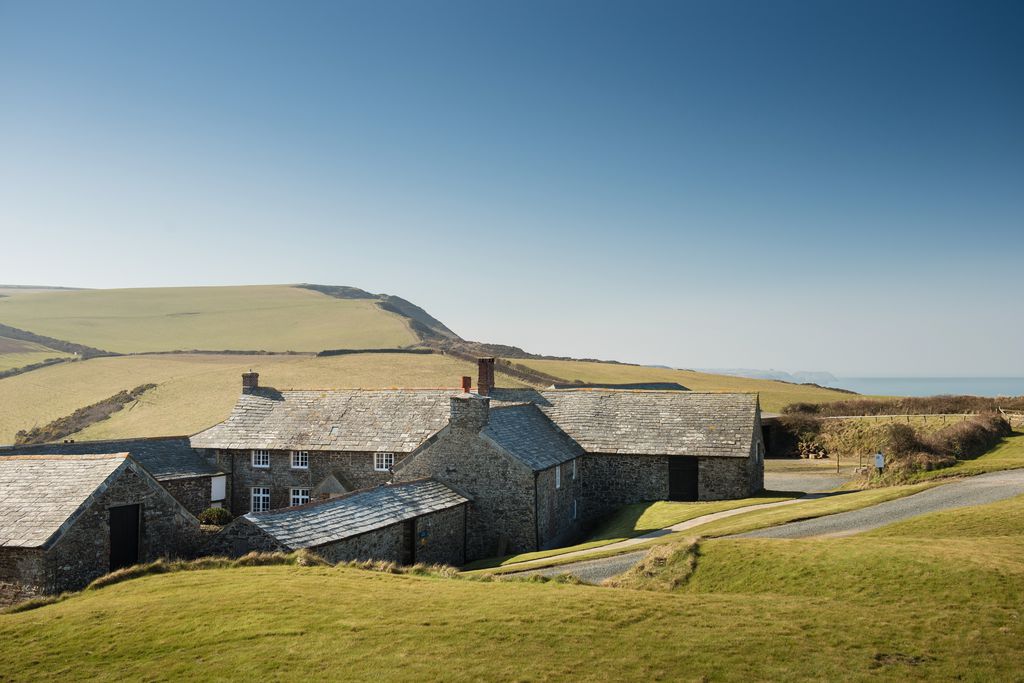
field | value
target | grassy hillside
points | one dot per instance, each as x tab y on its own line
257	318
774	395
196	391
15	353
933	598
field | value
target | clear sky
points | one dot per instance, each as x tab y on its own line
793	185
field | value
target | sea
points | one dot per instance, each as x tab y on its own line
932	386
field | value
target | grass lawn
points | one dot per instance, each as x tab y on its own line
263	318
196	391
1008	455
15	353
774	395
637	520
932	598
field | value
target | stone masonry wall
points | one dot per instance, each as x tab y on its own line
240	538
193	493
558	526
20	574
501	516
611	481
723	478
355	469
444	541
83	552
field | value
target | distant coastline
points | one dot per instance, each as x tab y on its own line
931	386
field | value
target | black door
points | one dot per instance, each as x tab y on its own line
124	536
409	542
682	478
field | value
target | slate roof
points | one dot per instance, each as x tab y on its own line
315	524
40	495
165	458
529	436
654	422
337	420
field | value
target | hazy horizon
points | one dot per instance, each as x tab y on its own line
792	185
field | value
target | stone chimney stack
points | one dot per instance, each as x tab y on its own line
485	379
250	381
469	411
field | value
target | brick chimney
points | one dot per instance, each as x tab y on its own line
469	411
467	384
250	381
485	378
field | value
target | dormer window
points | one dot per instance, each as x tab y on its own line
383	462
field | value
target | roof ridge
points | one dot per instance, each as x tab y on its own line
65	458
344	496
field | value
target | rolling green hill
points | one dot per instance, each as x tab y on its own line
934	598
254	318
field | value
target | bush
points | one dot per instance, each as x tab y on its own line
216	516
913	405
966	440
902	439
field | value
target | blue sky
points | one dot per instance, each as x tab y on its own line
792	185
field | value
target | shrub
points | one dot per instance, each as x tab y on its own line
913	405
216	516
902	439
966	440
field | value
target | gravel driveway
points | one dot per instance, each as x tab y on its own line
593	571
978	490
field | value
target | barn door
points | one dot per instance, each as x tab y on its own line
124	536
682	478
409	542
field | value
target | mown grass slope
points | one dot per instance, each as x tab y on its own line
196	391
774	395
934	598
254	318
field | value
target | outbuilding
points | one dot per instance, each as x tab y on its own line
68	519
416	522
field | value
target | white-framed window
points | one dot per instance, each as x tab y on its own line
260	499
300	460
558	476
300	497
383	462
574	469
261	459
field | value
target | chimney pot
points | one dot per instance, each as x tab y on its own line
467	384
250	381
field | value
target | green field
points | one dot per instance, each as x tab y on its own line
774	395
256	318
937	597
15	353
196	391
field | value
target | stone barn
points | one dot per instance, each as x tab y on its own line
415	522
68	519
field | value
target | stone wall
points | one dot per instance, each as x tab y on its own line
723	478
21	571
611	481
238	538
557	524
193	493
353	469
501	517
441	537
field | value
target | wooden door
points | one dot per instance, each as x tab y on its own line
682	478
409	542
124	536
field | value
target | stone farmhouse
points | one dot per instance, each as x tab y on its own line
418	521
536	466
172	461
68	519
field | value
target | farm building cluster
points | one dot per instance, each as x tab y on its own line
403	475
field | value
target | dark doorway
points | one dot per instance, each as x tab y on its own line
409	542
124	536
682	478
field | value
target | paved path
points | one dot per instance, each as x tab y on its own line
977	490
636	540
